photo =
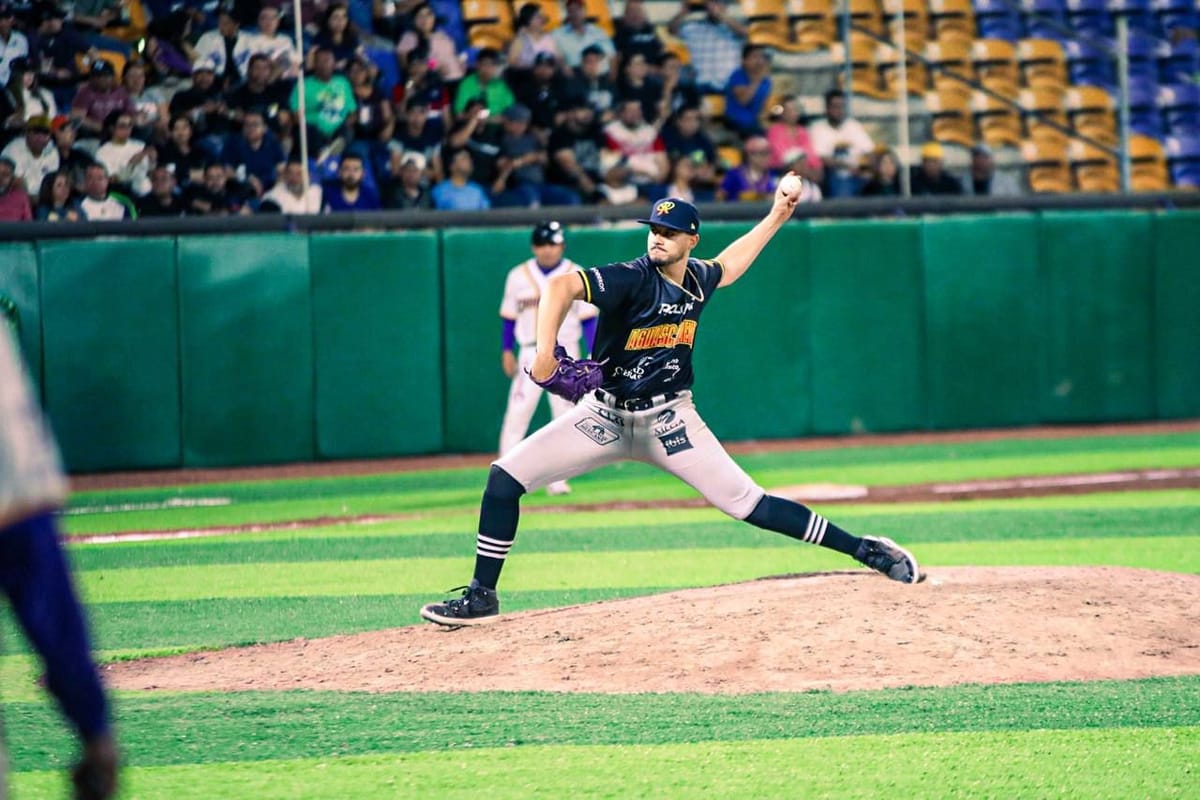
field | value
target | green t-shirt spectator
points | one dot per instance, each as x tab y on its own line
497	95
327	103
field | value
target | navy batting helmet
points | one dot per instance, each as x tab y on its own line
548	233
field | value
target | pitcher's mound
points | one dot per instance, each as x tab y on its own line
840	631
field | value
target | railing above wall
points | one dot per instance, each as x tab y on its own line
848	208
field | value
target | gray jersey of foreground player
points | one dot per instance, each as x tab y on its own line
649	322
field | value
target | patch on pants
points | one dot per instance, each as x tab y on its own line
676	441
597	432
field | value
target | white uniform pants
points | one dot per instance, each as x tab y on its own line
523	397
671	436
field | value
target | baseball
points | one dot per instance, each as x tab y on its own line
791	185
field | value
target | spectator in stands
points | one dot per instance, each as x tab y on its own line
181	155
751	180
337	35
636	83
12	113
254	155
406	187
93	16
440	47
328	98
983	179
348	192
634	33
204	104
575	146
71	159
791	147
418	132
390	17
216	195
714	40
423	81
164	199
56	49
14	201
523	161
542	90
592	82
128	160
98	98
930	177
747	92
843	145
289	195
259	93
576	34
682	182
225	49
457	192
679	87
684	137
32	156
151	115
56	199
637	145
283	59
169	53
617	189
373	122
13	43
34	99
481	135
885	178
485	81
99	204
530	39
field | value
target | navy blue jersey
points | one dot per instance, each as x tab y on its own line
648	324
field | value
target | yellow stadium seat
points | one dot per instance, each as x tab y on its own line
1147	165
866	14
1095	170
953	56
767	25
553	10
887	58
1043	64
488	23
599	12
951	115
1041	107
864	74
998	122
1046	167
1091	112
812	23
952	20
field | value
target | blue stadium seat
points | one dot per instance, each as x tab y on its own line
1045	19
389	70
1180	107
450	21
1143	58
1090	17
998	19
1183	157
1088	65
1174	14
1178	62
1139	13
1144	116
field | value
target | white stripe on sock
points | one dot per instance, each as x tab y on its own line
808	530
492	548
819	534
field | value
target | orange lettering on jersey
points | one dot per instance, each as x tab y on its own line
668	335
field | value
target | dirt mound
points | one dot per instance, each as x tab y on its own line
839	631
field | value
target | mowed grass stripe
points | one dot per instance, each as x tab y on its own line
1119	765
953	523
605	569
256	726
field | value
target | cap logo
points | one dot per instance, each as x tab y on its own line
664	207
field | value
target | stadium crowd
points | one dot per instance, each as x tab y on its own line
116	109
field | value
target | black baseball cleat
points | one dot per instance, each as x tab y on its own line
477	606
884	555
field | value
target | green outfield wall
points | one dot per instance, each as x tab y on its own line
268	348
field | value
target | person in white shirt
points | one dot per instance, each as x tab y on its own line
98	205
127	160
289	195
13	44
576	34
33	156
278	47
211	49
842	144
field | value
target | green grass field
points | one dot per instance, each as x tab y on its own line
1130	739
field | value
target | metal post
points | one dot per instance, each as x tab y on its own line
901	47
1123	97
848	65
303	121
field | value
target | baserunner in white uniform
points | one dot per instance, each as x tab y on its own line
648	328
518	309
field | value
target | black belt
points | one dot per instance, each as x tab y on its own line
635	403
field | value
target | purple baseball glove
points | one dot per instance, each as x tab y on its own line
573	378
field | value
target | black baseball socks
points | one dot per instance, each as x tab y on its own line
498	516
800	522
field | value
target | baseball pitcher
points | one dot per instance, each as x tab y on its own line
635	402
518	309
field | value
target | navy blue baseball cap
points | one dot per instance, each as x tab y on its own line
676	214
